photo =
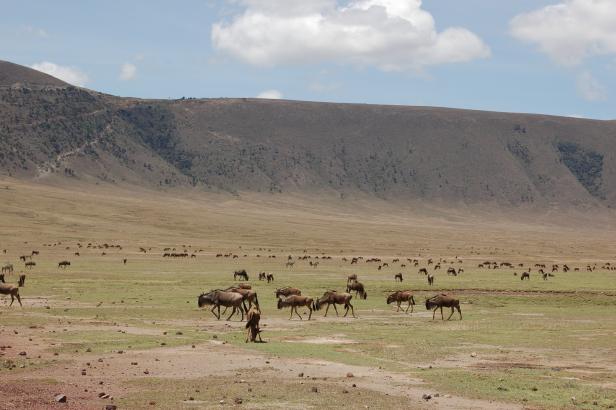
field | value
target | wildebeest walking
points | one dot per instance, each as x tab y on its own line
430	279
398	277
402	296
12	290
270	277
334	298
262	275
30	264
294	301
242	274
423	270
218	298
64	264
525	275
358	287
441	301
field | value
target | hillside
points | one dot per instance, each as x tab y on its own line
51	130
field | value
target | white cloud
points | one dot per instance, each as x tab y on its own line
389	34
36	31
590	88
69	74
128	71
270	94
570	31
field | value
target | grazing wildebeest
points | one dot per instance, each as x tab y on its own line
30	264
359	289
430	279
35	253
11	290
525	275
288	291
294	301
8	268
423	270
398	277
24	257
270	277
352	278
452	271
334	298
64	264
402	296
22	281
262	275
242	274
252	325
441	301
218	298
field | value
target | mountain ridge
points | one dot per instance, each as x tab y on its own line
389	151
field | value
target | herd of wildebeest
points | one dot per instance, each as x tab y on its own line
243	300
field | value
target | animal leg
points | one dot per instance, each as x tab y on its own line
326	309
291	316
459	311
12	299
295	309
407	308
310	314
434	312
336	309
352	310
398	307
232	313
451	313
442	317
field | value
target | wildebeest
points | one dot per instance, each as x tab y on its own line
218	298
8	268
402	296
249	295
64	264
12	290
430	279
441	301
525	275
294	301
331	297
262	275
288	291
423	270
124	261
270	277
398	277
452	271
252	325
359	289
242	274
30	264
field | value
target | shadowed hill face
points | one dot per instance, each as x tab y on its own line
11	74
407	153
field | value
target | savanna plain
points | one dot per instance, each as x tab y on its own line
103	332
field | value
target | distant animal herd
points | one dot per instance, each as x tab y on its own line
243	300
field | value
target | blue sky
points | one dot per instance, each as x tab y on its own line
361	51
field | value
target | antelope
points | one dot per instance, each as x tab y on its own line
294	301
332	297
441	301
402	296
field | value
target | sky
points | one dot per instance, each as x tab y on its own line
540	56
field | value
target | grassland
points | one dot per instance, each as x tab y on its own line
137	334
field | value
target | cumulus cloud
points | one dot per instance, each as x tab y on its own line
270	94
570	31
70	75
590	88
128	71
393	35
